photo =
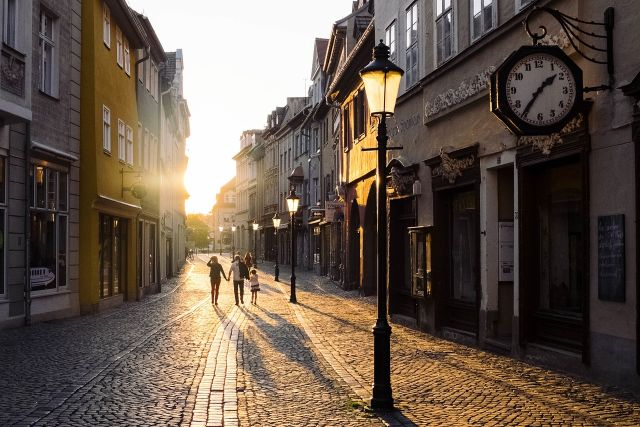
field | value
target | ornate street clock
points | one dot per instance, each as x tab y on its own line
537	90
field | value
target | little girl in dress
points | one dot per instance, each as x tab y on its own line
255	286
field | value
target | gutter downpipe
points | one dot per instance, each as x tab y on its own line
27	229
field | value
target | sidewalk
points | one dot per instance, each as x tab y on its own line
437	382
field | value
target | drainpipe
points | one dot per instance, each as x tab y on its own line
27	229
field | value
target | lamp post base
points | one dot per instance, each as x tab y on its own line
382	398
276	273
292	298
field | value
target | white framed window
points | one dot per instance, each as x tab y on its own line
48	202
48	55
106	129
119	47
444	30
106	24
483	17
129	157
390	39
10	22
121	141
127	57
411	57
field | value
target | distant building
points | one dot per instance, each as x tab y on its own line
223	215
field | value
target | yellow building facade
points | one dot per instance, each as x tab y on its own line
109	149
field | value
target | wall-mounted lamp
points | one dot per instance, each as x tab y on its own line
138	190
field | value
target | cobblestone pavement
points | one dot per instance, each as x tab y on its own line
175	359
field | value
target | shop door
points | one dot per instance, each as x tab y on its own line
402	215
458	247
553	254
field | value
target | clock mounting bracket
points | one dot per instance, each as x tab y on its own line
571	27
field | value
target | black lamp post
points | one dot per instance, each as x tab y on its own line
276	225
255	242
381	79
220	228
292	205
233	242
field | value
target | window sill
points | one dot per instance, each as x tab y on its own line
48	95
107	45
61	290
107	152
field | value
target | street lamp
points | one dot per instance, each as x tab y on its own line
381	79
233	242
276	225
292	205
220	228
255	252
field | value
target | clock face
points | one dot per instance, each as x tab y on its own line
540	89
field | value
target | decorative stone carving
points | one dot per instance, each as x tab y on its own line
545	143
401	180
561	40
466	89
451	168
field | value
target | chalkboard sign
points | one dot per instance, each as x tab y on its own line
611	258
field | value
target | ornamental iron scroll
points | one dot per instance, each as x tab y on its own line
574	33
12	74
545	143
451	168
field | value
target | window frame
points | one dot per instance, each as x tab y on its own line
10	29
44	41
119	48
391	39
106	129
494	19
521	4
106	25
453	37
127	56
122	155
129	145
411	46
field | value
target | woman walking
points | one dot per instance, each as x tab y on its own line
248	259
214	274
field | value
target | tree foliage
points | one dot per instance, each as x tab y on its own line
197	230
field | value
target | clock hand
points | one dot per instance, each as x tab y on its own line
537	93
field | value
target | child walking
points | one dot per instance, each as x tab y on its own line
255	286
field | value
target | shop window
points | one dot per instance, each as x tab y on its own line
49	229
420	240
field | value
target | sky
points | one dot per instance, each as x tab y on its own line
241	59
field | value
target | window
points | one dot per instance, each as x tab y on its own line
106	25
359	115
119	47
444	30
482	17
411	76
390	40
346	119
129	158
10	22
127	58
154	82
316	140
139	143
520	4
106	129
49	231
121	141
140	68
48	60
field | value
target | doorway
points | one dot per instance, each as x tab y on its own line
402	215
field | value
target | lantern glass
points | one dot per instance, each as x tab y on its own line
255	226
276	222
220	228
233	228
292	202
381	87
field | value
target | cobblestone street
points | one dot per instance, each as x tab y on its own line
174	359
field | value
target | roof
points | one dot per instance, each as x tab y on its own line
128	22
168	68
157	51
321	49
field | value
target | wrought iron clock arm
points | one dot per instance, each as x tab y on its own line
571	29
